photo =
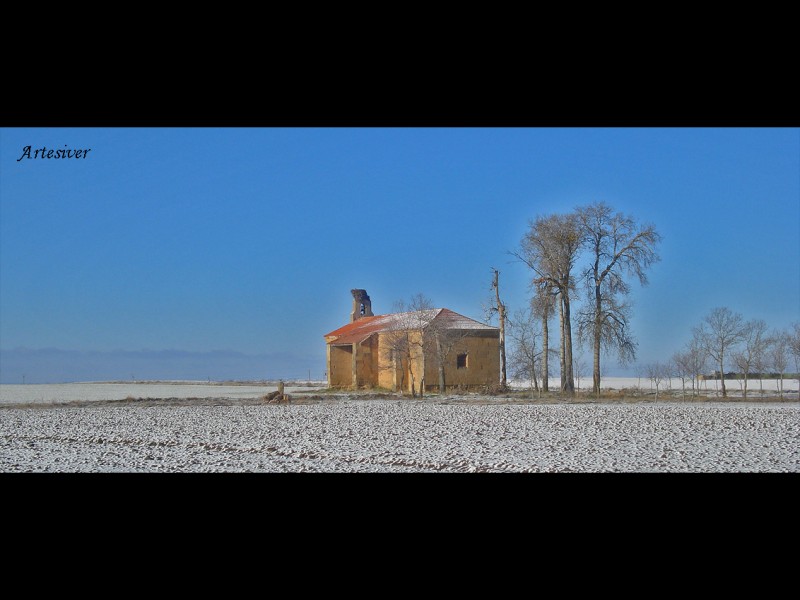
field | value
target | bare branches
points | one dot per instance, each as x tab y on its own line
725	330
617	245
753	351
526	353
550	249
404	342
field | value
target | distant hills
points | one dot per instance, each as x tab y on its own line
54	365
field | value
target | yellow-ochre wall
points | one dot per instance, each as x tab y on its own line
367	362
375	366
340	369
483	363
386	365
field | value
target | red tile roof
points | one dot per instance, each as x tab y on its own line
361	329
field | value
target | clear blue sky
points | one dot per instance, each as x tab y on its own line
178	246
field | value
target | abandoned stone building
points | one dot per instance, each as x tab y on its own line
405	351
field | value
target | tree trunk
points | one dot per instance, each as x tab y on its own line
561	350
501	312
440	357
570	379
598	323
545	351
411	379
422	376
722	376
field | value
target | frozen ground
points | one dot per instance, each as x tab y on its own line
224	428
62	393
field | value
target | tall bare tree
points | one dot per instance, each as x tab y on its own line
723	334
619	246
550	248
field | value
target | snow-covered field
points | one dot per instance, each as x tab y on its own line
50	393
347	433
404	436
84	392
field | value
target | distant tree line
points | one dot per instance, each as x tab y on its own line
724	340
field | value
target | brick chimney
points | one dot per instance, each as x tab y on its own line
362	306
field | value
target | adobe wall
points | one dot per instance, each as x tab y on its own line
367	363
340	366
386	366
483	363
390	374
374	366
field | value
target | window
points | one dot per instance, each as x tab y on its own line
461	361
362	308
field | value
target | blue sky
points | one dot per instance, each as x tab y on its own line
197	243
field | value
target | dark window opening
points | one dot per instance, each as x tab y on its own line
362	308
461	361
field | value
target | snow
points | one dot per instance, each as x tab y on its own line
734	387
73	392
345	432
351	435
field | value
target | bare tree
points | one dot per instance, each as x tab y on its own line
562	349
778	355
640	370
656	372
525	354
670	370
696	358
794	348
550	249
405	340
614	334
762	362
753	336
682	368
441	341
723	334
542	306
619	246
